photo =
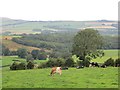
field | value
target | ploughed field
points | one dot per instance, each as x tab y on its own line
92	77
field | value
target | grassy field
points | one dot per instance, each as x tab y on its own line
108	54
8	60
72	78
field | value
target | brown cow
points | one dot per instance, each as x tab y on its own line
56	70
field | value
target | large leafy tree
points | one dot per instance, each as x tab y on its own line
88	43
5	51
22	53
35	53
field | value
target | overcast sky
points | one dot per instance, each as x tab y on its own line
78	10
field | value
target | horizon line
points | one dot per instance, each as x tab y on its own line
58	20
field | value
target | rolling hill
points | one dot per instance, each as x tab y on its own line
105	27
13	46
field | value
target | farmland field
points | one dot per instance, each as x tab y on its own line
72	78
108	54
79	78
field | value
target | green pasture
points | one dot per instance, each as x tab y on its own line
71	78
108	54
8	60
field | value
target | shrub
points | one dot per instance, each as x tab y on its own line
55	54
18	66
42	65
69	62
42	56
79	63
55	62
50	62
30	65
22	66
6	51
109	62
13	53
35	53
86	63
117	62
22	52
29	57
60	62
14	66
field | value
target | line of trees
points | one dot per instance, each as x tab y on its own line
23	53
60	41
68	62
6	51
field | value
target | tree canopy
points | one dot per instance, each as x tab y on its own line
87	42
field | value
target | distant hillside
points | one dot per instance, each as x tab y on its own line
105	27
13	46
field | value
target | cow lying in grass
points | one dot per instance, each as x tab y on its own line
94	64
56	70
79	67
64	68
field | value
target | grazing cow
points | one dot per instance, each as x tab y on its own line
64	68
95	64
78	67
56	70
103	66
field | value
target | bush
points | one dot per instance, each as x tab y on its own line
79	63
42	65
22	66
54	54
117	62
83	63
35	53
42	56
6	51
18	66
109	62
14	66
60	62
22	52
30	65
55	62
13	53
69	62
86	63
50	62
29	57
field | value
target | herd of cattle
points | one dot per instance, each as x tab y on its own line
59	69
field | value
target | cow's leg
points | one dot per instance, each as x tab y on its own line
52	74
60	72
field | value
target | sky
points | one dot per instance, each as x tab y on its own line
45	10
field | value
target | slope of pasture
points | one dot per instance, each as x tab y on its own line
8	60
72	78
14	46
108	54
